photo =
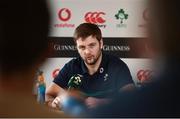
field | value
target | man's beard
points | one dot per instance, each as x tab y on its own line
93	60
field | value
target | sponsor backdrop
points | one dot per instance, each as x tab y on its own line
123	25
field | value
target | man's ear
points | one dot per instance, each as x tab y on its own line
101	43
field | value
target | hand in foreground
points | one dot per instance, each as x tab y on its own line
92	102
61	99
56	103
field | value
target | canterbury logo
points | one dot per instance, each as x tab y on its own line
64	14
143	75
94	17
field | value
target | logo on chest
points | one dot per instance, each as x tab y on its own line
105	78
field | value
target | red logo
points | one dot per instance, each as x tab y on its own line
55	73
94	17
146	15
144	75
64	14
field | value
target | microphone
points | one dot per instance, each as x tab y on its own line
75	82
73	103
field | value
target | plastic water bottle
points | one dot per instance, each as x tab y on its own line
41	88
41	93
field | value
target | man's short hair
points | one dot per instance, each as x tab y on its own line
87	29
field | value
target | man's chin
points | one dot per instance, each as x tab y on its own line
90	62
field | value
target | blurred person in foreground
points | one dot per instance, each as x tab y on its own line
23	48
160	98
99	75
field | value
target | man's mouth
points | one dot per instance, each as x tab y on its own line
89	57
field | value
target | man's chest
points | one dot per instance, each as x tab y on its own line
97	83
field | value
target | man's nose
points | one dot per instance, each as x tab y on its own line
87	51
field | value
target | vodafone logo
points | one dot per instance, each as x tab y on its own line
55	73
64	14
144	75
95	17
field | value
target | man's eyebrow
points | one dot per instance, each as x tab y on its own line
92	44
81	46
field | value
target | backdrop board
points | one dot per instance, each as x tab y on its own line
123	25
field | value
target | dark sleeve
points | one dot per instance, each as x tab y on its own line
63	76
121	74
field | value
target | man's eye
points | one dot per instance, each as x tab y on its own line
81	48
92	45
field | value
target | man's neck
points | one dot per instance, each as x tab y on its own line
93	68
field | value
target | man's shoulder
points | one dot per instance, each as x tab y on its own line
74	62
114	59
